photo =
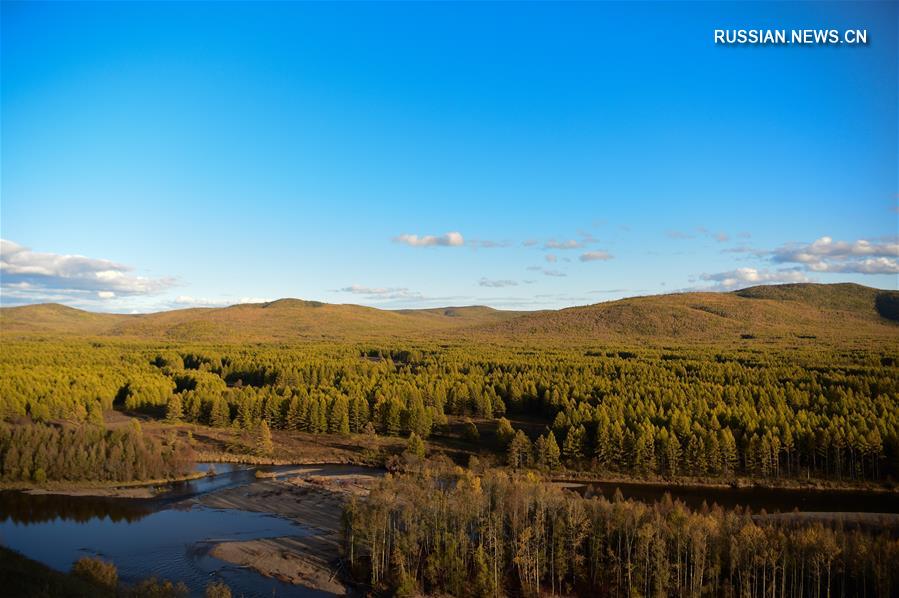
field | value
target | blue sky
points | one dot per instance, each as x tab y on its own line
162	155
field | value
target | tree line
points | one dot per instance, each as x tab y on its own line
42	452
444	530
772	412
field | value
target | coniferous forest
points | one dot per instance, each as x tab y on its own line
715	413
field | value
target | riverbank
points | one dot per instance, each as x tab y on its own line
738	483
141	489
312	496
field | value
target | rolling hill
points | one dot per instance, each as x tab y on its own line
792	310
283	320
795	310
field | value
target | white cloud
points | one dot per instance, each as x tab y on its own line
871	265
487	244
551	258
190	301
744	277
30	276
381	293
362	290
555	273
744	249
451	239
720	237
827	255
399	297
486	282
594	256
569	244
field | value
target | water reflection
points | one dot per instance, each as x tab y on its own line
171	543
24	508
27	509
165	536
772	500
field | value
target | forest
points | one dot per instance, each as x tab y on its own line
442	529
89	452
715	412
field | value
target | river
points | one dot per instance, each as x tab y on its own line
162	537
170	537
772	500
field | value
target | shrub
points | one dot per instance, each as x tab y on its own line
96	572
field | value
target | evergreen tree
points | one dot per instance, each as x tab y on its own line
95	413
470	431
339	416
415	446
173	412
672	455
552	451
519	451
220	416
573	446
264	444
504	432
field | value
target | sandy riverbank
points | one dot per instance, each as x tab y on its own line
314	498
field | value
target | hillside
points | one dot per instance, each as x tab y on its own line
796	310
283	320
774	311
53	318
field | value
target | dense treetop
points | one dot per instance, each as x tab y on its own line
673	411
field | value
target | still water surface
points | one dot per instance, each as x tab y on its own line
157	537
773	500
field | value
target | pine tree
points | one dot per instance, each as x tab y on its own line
339	416
417	418
573	446
552	451
504	432
603	451
264	444
358	414
220	415
415	446
519	452
729	456
95	413
540	452
470	431
173	412
672	454
294	414
392	417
